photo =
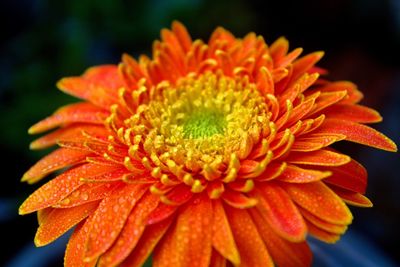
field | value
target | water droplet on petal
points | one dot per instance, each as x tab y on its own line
84	196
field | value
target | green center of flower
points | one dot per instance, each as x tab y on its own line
203	123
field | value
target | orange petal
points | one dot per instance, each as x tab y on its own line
321	234
351	176
279	48
79	112
284	61
150	238
358	133
273	171
320	157
321	201
162	212
132	231
71	132
303	64
87	192
312	142
294	174
56	160
326	99
352	198
284	253
182	35
322	224
59	221
74	254
222	238
355	113
110	218
98	84
353	94
251	247
280	212
61	186
189	243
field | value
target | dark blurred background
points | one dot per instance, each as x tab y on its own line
42	41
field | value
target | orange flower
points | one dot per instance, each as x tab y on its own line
208	153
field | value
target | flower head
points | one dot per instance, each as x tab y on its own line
204	154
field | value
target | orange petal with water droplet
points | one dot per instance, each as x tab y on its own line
354	113
59	221
312	142
150	238
110	218
294	174
72	132
87	192
162	212
322	224
61	186
222	237
320	157
74	254
321	201
358	133
284	253
131	233
353	94
251	247
56	160
79	112
189	243
280	212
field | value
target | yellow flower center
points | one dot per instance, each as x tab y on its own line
199	128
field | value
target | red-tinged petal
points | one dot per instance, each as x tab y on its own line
217	260
131	233
352	198
71	132
294	174
56	160
351	112
280	212
75	252
110	218
322	224
321	234
238	200
358	133
321	201
222	237
150	238
284	253
189	243
59	221
251	247
320	157
177	196
61	186
162	212
86	193
351	176
79	112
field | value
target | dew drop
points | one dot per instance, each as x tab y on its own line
116	208
84	196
